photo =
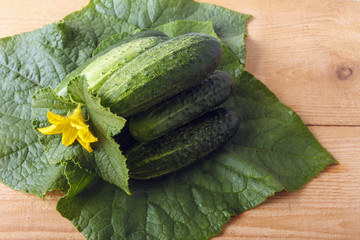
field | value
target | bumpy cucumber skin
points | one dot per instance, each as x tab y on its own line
183	146
99	67
113	40
182	108
99	70
160	72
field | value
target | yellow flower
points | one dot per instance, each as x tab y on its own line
72	127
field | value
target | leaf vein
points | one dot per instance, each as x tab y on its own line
276	152
20	74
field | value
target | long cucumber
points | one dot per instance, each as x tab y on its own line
182	108
159	73
101	66
182	146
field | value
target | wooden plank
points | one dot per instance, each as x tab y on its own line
25	216
23	16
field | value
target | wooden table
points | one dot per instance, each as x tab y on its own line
308	53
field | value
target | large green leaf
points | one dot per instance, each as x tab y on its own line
272	151
187	205
196	202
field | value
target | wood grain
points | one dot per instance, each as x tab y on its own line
308	53
24	16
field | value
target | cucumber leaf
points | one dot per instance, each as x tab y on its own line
106	160
80	180
107	155
191	204
272	151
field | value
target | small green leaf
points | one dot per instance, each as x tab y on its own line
79	181
107	155
106	160
100	117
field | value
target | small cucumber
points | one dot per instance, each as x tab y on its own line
182	146
182	108
101	66
159	73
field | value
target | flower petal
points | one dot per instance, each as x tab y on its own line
53	129
86	136
77	115
72	127
77	124
49	130
69	135
86	145
56	119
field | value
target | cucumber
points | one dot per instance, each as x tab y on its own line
159	73
182	108
182	146
99	67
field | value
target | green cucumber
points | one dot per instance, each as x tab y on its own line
159	73
101	66
182	146
182	108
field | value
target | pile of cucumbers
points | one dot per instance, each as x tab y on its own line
170	92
